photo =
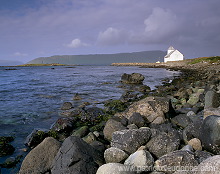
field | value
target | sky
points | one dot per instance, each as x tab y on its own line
40	28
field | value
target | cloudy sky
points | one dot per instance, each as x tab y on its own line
36	28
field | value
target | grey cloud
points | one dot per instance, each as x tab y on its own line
138	24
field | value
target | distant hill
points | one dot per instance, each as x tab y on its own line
102	59
10	62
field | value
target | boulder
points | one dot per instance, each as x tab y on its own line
76	156
130	140
163	143
134	78
142	159
91	115
212	99
193	99
81	132
116	168
209	166
187	148
211	111
112	125
98	146
209	134
64	125
40	158
192	130
67	106
36	137
89	138
202	155
132	126
136	119
181	120
174	161
182	93
150	108
195	143
115	155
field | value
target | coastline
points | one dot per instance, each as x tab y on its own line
192	85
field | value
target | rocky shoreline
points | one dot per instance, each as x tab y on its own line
172	129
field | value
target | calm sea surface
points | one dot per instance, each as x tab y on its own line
31	97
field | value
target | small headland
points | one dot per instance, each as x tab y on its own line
49	64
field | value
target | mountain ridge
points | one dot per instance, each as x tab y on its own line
102	59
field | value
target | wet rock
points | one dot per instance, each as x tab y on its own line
212	99
163	143
173	161
150	108
128	96
76	156
81	132
209	134
115	155
139	159
63	125
114	106
39	159
195	143
115	168
4	140
11	162
134	78
67	106
209	166
77	97
36	137
181	120
130	140
136	119
5	147
112	125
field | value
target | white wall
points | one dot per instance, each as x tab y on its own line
175	56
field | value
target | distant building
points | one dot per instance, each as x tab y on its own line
173	55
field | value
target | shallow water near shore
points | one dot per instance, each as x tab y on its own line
31	97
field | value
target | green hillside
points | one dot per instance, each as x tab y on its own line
102	59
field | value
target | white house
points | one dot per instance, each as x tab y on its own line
173	55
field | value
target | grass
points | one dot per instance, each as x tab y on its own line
215	59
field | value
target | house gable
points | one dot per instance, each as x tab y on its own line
173	55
